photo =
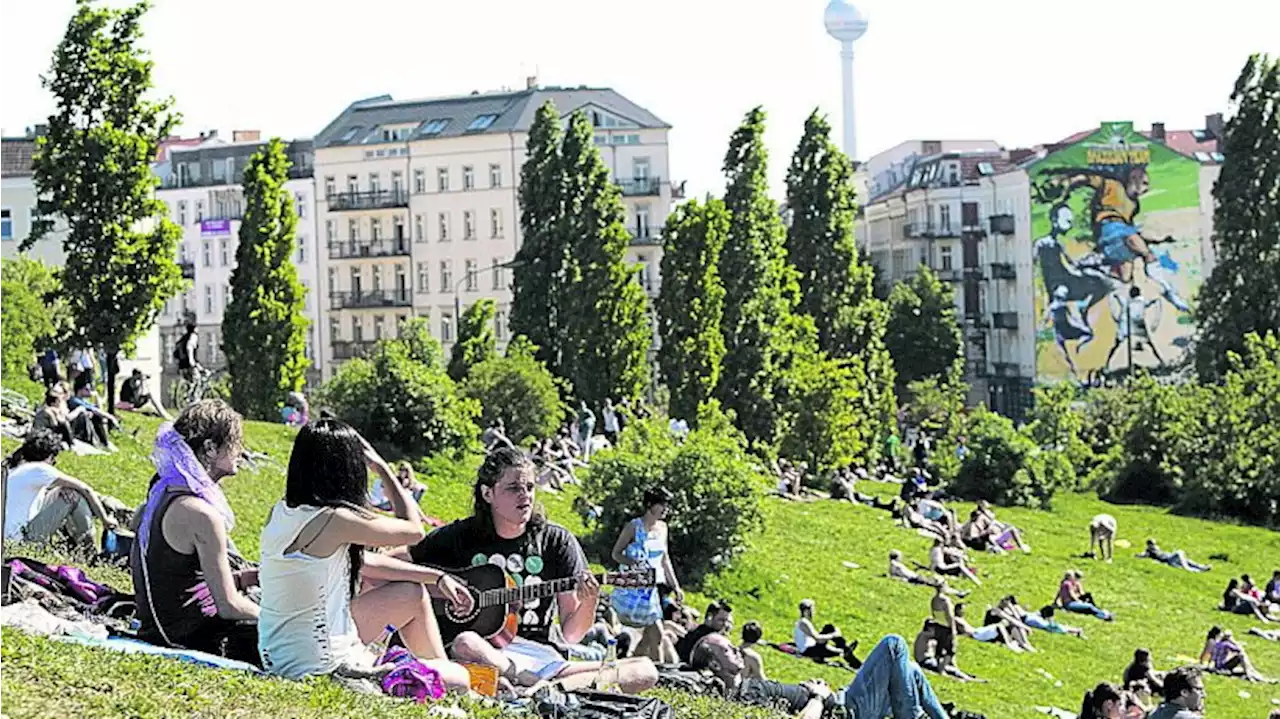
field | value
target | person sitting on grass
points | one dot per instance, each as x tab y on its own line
42	502
717	619
1176	558
821	645
950	563
1210	641
935	649
135	395
1228	657
1000	537
1272	592
380	499
316	618
888	686
1238	601
1184	695
1104	701
1102	534
1072	597
189	581
89	423
753	664
1044	621
54	415
988	633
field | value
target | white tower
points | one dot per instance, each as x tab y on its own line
846	23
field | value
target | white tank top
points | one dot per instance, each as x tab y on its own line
802	641
305	626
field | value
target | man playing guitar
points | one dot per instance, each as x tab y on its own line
508	529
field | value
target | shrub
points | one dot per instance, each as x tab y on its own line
1155	441
519	390
400	396
936	406
31	318
828	424
717	486
1055	426
1005	467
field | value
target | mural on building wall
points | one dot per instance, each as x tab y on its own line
1115	219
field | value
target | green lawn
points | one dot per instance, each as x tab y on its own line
800	555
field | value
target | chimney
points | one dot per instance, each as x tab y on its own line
1157	131
246	135
531	82
931	147
1213	125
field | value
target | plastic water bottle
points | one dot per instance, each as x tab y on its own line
607	677
378	647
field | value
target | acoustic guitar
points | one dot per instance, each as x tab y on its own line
497	600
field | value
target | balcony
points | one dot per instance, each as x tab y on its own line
640	186
975	273
1003	271
374	248
188	269
379	200
976	367
975	322
1005	320
1006	369
972	229
352	349
370	299
950	275
645	237
1001	224
928	230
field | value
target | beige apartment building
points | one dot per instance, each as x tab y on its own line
418	214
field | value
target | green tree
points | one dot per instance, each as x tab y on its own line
837	286
476	341
1242	294
829	424
539	269
92	171
691	304
264	329
519	390
759	327
33	315
924	335
606	330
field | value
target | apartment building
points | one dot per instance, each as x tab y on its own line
418	207
201	186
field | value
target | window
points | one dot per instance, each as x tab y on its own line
944	257
226	296
302	205
206	253
481	123
944	218
377	327
400	320
397	183
222	252
446	275
375	229
640	168
402	284
357	330
495	175
495	222
424	278
208	299
419	181
182	212
302	249
644	274
353	230
497	273
6	224
350	135
417	228
335	330
356	281
442	179
329	186
166	348
434	127
642	222
446	327
397	231
199	211
500	325
468	225
353	184
377	278
330	231
375	183
470	277
468	177
444	226
210	347
333	280
309	350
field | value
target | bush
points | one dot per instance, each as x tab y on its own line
401	396
717	486
829	423
519	390
31	318
1156	440
1055	426
936	406
1004	466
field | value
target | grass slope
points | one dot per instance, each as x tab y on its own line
799	555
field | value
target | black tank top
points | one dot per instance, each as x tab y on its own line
173	600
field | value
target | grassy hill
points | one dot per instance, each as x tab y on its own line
800	554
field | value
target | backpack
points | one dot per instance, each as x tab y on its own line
180	351
71	584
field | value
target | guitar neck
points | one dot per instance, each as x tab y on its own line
508	595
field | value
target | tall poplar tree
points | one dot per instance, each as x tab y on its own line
539	269
92	172
606	328
264	329
691	304
1242	295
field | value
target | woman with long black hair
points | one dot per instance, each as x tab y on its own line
315	619
1103	702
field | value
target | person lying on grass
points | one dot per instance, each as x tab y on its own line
1237	600
1229	658
1008	611
1072	597
998	633
508	526
911	518
821	645
935	649
888	686
1176	558
1102	534
1271	635
189	581
899	571
950	562
1184	695
324	596
1044	621
42	502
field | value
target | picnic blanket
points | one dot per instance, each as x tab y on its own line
127	645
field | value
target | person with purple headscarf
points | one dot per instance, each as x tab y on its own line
188	594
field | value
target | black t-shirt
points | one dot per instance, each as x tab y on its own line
543	555
130	390
790	699
684	647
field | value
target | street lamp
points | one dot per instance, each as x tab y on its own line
457	287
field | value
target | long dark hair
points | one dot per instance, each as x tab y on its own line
38	446
496	464
327	469
1095	698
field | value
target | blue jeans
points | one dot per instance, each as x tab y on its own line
890	685
1086	608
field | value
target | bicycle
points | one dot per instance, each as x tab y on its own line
201	386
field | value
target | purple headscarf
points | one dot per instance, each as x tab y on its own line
179	469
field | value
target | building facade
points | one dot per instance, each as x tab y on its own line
201	186
418	211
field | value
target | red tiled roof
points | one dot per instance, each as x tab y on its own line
163	153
